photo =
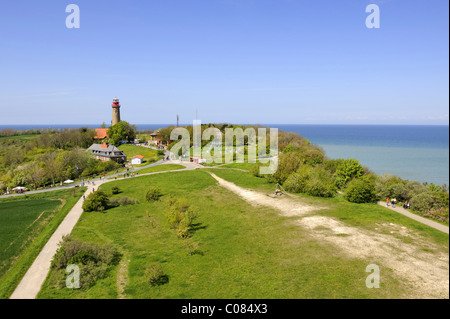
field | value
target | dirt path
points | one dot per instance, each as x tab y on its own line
427	272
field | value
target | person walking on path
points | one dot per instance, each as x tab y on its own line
387	202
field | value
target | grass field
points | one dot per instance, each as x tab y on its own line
19	137
148	153
26	223
160	168
246	251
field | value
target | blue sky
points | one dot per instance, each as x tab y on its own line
240	61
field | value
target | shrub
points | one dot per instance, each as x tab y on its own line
97	201
361	191
348	169
440	214
297	181
255	170
320	187
93	260
122	201
115	190
153	194
287	164
422	202
155	276
180	216
399	191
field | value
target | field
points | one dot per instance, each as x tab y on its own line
160	168
150	155
26	223
244	251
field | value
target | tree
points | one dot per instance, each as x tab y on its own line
422	202
121	131
287	164
348	169
361	191
97	201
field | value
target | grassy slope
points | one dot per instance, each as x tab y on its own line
27	249
367	216
249	252
160	168
132	150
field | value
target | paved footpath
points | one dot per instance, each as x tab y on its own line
420	219
31	283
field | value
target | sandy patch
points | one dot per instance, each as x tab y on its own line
426	271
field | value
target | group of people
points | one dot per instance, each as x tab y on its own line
129	175
393	201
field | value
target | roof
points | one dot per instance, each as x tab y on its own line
101	133
105	150
138	156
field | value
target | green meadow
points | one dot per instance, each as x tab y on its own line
243	251
26	223
150	155
160	168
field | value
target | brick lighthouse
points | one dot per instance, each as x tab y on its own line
115	111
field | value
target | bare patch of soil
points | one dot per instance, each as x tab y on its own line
416	263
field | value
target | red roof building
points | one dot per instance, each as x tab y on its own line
101	133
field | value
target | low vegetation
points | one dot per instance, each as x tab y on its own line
234	251
93	261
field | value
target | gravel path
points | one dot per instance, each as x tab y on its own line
420	219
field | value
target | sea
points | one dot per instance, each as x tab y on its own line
412	152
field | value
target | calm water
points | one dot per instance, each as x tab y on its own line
412	152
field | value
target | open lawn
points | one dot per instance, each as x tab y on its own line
244	251
26	223
160	168
150	155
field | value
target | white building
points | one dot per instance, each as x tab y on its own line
138	159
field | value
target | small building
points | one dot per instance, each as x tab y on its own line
106	152
154	138
138	159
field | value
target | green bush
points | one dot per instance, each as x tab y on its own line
153	194
97	201
180	216
115	190
361	191
422	202
155	276
123	201
348	169
287	164
320	188
255	170
93	260
440	214
296	182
